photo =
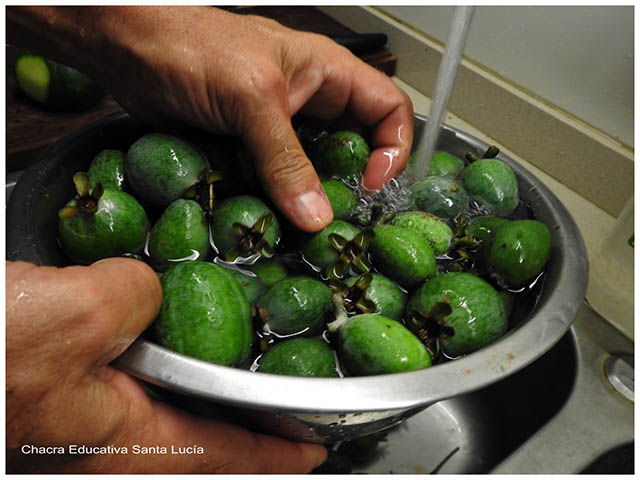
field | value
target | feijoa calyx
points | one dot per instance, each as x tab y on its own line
459	310
205	314
339	248
99	223
244	226
373	293
300	357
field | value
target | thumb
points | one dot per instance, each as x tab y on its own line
287	174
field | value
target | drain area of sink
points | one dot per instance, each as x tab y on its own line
470	433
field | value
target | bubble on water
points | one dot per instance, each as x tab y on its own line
393	197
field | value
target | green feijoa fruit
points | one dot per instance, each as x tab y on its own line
294	305
300	357
519	252
243	226
492	184
113	225
446	164
160	168
372	344
319	251
508	301
382	293
441	196
268	270
484	228
55	85
342	154
253	287
107	168
459	309
180	234
402	254
205	314
434	229
342	199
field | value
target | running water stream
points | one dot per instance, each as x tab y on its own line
444	87
394	195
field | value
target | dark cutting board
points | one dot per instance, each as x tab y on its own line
30	128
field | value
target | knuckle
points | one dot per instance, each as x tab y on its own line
265	81
289	169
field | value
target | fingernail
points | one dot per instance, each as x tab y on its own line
312	210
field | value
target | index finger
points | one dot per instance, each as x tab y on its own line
377	102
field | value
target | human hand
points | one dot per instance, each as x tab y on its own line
64	327
247	76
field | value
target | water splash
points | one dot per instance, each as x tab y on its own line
393	197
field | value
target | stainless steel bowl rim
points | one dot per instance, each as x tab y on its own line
516	349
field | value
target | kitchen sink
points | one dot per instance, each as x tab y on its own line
560	414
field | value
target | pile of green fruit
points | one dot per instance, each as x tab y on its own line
393	292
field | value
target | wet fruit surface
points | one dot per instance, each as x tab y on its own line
383	294
343	200
204	314
445	164
294	305
484	228
107	168
180	234
373	344
253	287
403	255
519	251
268	270
119	225
435	230
492	184
300	357
319	250
461	310
342	154
161	168
439	195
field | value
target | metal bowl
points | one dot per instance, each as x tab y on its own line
310	409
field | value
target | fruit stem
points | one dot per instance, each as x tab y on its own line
339	312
